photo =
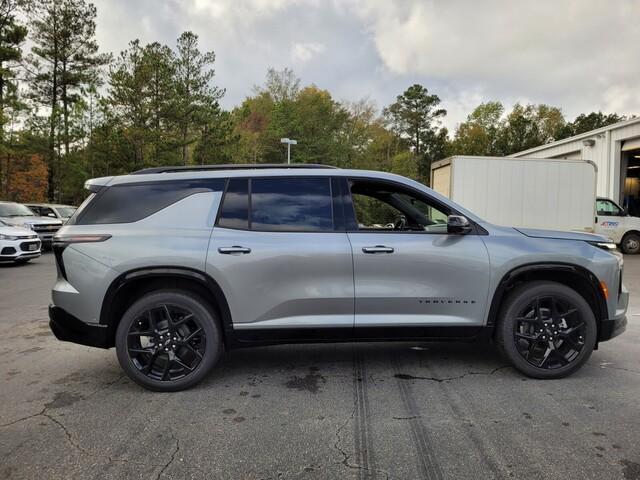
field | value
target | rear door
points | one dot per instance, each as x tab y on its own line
281	254
409	273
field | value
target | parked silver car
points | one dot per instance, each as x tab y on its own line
52	210
173	265
17	215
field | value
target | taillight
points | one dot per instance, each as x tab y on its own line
80	238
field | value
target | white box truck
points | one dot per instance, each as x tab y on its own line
555	194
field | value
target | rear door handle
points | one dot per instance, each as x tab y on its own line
377	249
235	250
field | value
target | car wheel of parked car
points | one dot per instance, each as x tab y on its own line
546	330
168	340
631	243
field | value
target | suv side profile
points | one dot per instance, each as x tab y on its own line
174	265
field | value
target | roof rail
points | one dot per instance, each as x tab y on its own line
233	166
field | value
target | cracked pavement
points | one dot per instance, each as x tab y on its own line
365	411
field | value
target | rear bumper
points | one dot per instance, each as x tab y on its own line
68	328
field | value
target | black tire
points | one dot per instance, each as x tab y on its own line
184	340
544	324
630	243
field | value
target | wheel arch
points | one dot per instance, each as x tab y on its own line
574	276
129	286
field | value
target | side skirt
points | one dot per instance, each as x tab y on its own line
272	336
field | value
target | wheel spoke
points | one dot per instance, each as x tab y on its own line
141	334
147	369
168	313
572	330
532	337
189	337
185	318
193	350
165	372
182	364
141	350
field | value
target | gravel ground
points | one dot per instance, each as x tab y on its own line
385	410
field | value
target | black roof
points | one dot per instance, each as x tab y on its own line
233	166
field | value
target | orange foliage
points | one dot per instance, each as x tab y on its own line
26	178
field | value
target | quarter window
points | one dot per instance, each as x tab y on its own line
127	203
291	204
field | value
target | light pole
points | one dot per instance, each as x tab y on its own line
289	142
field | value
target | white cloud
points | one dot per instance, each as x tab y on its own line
580	55
303	52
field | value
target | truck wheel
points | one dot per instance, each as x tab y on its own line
546	330
168	340
631	243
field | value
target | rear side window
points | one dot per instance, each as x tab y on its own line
132	202
235	207
291	204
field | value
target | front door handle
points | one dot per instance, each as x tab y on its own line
235	250
377	249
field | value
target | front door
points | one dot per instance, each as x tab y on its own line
281	258
408	271
610	219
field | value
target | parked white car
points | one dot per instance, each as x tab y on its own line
615	223
17	215
17	244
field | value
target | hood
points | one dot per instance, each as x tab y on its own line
16	231
560	235
28	220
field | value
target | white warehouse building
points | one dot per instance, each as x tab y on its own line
614	149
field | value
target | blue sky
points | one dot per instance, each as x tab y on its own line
580	55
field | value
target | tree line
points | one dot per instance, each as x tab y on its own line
69	111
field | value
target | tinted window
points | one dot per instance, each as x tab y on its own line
380	206
291	204
235	207
132	202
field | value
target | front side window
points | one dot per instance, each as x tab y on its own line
291	204
607	208
380	206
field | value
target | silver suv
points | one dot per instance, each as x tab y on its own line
173	265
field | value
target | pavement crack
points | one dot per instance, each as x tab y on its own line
28	417
404	376
173	457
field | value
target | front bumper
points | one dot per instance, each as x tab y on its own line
612	328
68	328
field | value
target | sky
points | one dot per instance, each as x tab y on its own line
579	55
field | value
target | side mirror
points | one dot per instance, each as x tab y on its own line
457	224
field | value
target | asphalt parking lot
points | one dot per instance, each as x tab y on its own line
382	411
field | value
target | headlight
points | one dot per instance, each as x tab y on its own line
608	246
7	237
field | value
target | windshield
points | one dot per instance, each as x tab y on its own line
14	210
66	212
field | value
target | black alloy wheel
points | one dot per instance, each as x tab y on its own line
546	329
549	332
166	342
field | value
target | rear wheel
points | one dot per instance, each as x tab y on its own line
546	330
168	340
630	243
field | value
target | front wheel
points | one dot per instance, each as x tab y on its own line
546	330
630	243
168	340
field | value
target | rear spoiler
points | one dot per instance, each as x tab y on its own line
94	185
